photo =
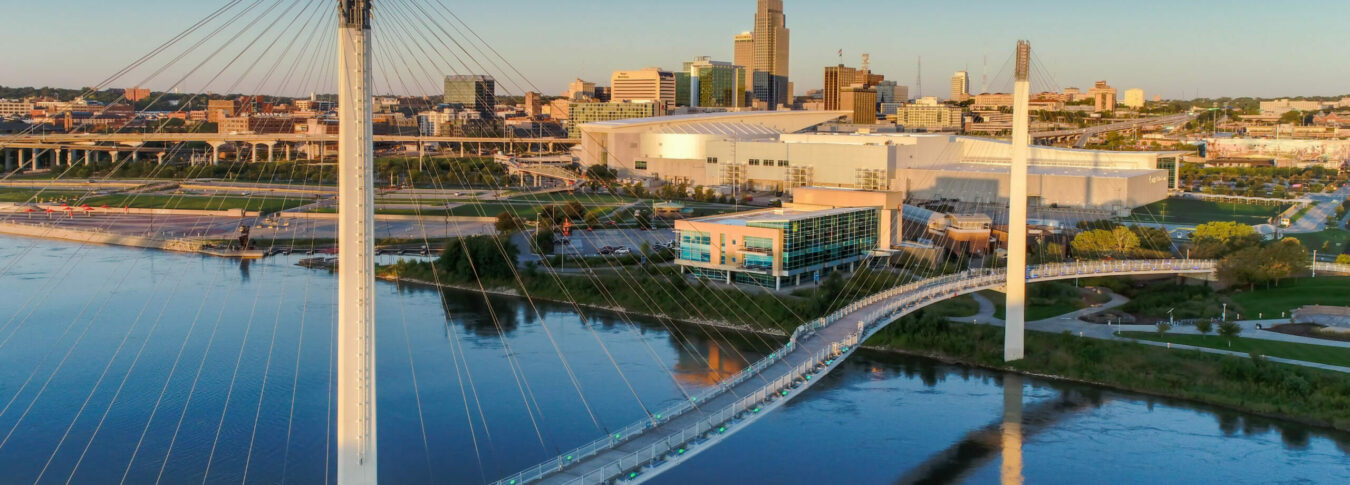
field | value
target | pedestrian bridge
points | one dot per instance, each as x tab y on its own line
644	449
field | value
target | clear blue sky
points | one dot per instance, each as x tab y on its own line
1222	48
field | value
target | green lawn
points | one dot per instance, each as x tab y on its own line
1191	211
1322	354
1294	293
265	204
564	197
1035	311
961	306
26	195
1330	241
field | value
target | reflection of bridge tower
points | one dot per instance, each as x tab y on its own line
356	241
1011	433
1013	345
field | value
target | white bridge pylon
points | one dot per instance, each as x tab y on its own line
356	450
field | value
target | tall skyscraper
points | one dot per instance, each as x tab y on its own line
744	56
770	39
960	86
473	91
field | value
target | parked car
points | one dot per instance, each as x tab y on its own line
621	252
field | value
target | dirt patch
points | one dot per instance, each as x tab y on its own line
1311	330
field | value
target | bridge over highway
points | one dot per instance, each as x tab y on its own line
1084	134
646	448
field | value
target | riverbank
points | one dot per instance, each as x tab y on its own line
1278	391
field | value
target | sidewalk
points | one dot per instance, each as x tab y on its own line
1071	323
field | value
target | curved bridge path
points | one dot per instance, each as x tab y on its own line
644	449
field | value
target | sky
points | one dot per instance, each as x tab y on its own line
1176	48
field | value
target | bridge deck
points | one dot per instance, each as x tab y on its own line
642	450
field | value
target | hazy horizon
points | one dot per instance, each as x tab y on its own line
1174	50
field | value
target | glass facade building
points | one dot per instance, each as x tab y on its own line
776	247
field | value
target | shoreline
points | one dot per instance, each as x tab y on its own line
941	358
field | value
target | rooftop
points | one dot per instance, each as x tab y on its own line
772	215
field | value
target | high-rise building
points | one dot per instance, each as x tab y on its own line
1103	97
743	55
473	91
534	104
836	79
960	86
578	90
770	38
704	82
650	84
839	77
861	101
1134	98
582	113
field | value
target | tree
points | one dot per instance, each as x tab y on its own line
601	173
593	217
1118	242
1152	238
1204	327
1229	331
543	239
1283	259
1343	259
1221	238
508	222
643	218
1163	327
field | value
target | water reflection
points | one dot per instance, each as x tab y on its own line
703	363
1003	438
1011	471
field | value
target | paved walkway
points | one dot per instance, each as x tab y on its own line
1071	322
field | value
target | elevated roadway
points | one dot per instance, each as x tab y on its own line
1084	134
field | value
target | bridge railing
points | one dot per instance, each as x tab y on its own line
899	301
674	445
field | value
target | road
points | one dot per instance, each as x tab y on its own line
215	227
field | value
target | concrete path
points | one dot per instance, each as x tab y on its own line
1071	323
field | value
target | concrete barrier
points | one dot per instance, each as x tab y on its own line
17	207
332	216
98	237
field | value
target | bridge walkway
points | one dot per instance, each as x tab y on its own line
642	450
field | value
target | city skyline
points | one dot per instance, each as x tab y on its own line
540	40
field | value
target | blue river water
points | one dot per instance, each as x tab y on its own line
121	365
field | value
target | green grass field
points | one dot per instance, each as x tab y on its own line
1191	211
563	197
26	195
1294	293
1331	241
1322	354
265	204
1034	311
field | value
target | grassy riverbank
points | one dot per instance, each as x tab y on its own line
1322	354
1302	394
1253	385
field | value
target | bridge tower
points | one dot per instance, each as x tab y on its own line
1014	347
356	242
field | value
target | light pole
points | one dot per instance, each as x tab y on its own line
1225	312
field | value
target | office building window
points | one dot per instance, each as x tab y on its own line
782	163
712	159
640	164
754	162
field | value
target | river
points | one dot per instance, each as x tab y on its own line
131	366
